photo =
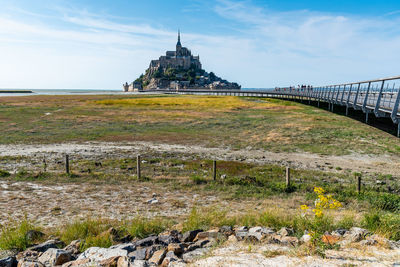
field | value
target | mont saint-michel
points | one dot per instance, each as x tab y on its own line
178	69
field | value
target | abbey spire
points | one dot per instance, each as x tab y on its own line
178	44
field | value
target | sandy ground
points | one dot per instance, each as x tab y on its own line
383	164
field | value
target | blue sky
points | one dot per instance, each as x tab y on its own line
101	44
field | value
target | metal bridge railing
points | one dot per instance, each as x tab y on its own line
380	96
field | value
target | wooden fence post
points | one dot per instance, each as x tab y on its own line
287	177
215	170
67	164
138	166
359	183
44	164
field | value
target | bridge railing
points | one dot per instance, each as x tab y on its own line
380	96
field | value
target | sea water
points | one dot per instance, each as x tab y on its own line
88	91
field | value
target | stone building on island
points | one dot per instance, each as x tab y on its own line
176	70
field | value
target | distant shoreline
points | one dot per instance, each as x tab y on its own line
16	92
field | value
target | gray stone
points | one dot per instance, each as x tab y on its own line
177	248
152	201
46	245
168	239
356	234
8	253
127	246
227	230
285	231
254	237
197	245
96	254
151	250
28	255
138	254
243	228
148	241
171	254
167	260
289	241
305	238
8	262
256	229
158	256
240	235
189	256
54	256
73	247
339	232
212	234
189	236
393	244
262	230
124	262
369	242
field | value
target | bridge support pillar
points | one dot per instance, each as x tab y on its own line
398	129
366	117
332	107
347	111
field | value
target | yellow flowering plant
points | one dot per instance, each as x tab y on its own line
323	202
317	224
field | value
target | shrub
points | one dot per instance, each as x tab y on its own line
197	179
4	173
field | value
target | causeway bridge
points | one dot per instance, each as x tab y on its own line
380	97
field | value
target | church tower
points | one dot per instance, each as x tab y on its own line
178	44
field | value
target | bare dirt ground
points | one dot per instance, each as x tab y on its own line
384	164
51	205
54	204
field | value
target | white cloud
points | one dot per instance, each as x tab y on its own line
269	48
312	47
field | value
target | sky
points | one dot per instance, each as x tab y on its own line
99	44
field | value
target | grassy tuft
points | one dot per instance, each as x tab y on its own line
89	231
143	227
13	236
206	218
95	232
383	223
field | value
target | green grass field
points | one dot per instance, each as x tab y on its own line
273	125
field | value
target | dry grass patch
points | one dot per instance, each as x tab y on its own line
218	103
